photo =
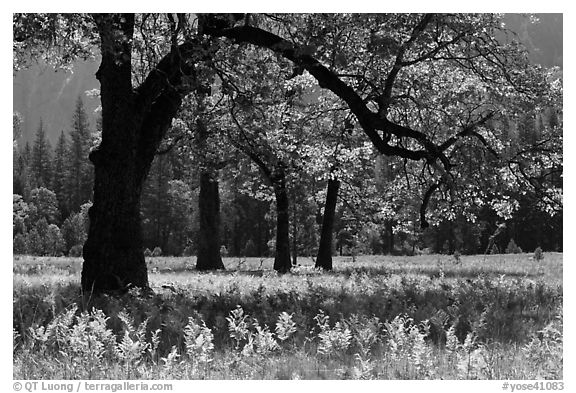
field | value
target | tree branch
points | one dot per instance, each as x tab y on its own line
469	131
370	121
425	201
385	98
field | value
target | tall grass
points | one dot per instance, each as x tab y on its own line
353	323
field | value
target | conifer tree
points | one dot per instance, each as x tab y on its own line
21	182
41	164
59	175
79	171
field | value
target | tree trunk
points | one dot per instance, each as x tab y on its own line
113	256
389	237
282	262
324	258
294	233
133	124
209	257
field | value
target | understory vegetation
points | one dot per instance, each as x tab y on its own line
493	317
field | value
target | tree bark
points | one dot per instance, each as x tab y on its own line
282	262
133	124
324	258
209	257
113	256
294	233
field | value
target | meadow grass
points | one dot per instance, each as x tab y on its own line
496	316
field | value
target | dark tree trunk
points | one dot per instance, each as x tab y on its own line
324	258
209	257
133	124
282	262
113	257
389	237
294	234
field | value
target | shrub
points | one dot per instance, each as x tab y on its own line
19	245
45	239
223	251
495	250
74	230
333	341
76	251
198	339
147	252
456	256
157	252
406	343
538	254
54	242
36	236
545	348
20	213
271	246
189	251
512	248
285	326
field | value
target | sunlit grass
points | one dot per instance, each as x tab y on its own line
503	300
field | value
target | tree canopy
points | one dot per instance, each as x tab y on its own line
310	98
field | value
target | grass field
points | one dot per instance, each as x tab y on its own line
378	317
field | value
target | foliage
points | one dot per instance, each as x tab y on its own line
44	205
285	326
20	211
79	170
44	239
57	39
545	348
85	346
19	244
538	254
223	251
472	299
59	176
75	251
40	161
198	340
74	231
512	248
406	341
334	341
285	116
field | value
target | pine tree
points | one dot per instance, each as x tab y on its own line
20	173
27	153
21	182
41	164
59	175
79	172
16	156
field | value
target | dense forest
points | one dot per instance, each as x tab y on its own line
269	152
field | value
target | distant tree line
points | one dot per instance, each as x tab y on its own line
53	190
